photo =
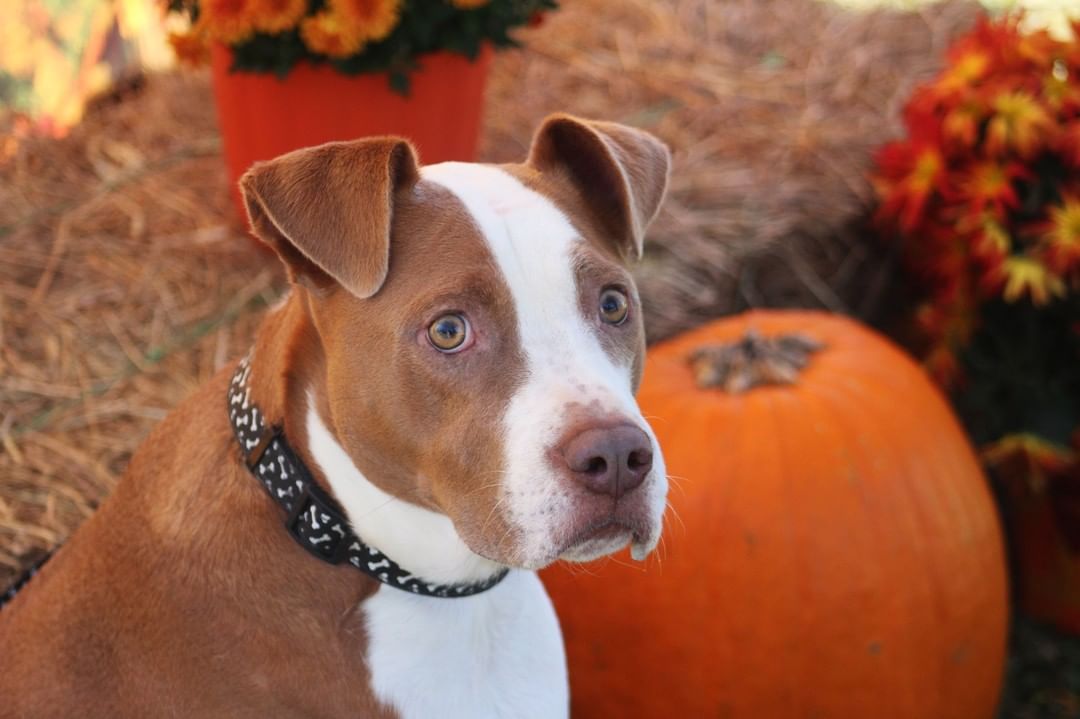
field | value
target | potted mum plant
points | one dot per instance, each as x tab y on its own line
984	196
294	73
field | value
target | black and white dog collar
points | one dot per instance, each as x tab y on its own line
314	518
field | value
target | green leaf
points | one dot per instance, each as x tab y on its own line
399	83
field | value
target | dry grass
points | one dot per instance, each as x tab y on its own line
123	285
125	282
773	108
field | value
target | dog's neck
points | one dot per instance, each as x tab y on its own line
288	380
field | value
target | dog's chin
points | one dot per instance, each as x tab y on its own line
591	545
592	549
609	537
584	538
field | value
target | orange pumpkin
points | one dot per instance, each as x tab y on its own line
832	550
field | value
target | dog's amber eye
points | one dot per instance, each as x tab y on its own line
614	306
448	333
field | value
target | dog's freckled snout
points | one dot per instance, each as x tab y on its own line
610	461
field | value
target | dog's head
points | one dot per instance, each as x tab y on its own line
481	333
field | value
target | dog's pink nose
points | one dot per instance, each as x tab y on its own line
609	461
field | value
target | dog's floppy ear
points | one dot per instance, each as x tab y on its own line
621	171
327	210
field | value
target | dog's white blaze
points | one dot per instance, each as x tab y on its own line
420	540
533	243
498	654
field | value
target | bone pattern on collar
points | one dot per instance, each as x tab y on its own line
314	519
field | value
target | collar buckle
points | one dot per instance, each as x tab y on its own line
317	526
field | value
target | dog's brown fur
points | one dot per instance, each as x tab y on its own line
182	595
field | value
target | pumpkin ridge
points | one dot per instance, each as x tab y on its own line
930	508
804	581
856	440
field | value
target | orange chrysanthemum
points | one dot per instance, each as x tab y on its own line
228	21
1029	457
274	16
1038	49
468	4
992	143
190	47
960	125
1026	276
371	19
967	66
909	177
991	242
1061	92
990	184
1062	237
1019	123
328	34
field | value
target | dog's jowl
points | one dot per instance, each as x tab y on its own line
347	521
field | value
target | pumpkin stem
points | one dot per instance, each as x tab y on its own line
753	361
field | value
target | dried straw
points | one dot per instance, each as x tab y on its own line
124	283
773	109
125	280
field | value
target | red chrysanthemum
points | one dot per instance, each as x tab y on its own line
990	184
1068	143
909	176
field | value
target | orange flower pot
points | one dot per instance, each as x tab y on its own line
262	116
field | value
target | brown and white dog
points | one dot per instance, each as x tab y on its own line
456	364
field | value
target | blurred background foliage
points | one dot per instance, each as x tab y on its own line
1051	14
56	54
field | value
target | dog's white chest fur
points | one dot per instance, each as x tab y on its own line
492	655
495	654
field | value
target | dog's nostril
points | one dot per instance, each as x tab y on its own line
596	465
639	459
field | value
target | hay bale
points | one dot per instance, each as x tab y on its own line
125	279
124	283
773	108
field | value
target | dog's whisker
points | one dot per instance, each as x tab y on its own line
661	553
491	514
676	515
677	482
482	488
